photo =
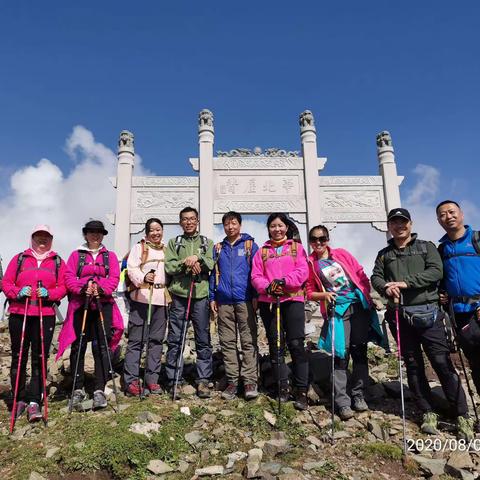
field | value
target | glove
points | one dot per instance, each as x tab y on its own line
42	292
276	287
24	292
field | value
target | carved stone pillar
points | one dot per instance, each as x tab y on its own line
126	162
205	141
388	171
308	137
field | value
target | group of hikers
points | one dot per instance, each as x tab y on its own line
172	286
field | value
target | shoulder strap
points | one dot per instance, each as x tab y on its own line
58	262
106	262
82	255
293	249
441	250
218	249
264	254
144	254
203	244
178	243
476	241
20	260
248	245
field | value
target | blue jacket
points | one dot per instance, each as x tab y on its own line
235	268
461	269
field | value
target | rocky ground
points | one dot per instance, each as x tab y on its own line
192	438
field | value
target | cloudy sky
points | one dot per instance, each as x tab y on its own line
72	76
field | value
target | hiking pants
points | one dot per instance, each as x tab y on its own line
93	333
153	339
31	339
472	353
238	320
200	318
292	329
356	324
434	343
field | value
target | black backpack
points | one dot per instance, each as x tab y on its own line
82	256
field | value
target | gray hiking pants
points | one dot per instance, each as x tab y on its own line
356	324
238	321
154	335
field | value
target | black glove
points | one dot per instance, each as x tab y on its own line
276	287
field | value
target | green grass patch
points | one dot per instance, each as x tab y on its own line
383	450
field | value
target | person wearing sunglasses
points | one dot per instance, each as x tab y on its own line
338	281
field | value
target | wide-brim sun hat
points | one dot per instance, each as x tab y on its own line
94	226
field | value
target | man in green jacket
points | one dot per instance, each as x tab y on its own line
408	271
188	261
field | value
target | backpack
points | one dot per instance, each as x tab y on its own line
82	256
21	260
292	252
475	244
143	259
203	243
247	246
419	247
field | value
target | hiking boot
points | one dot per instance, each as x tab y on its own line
21	407
133	389
34	412
154	389
202	390
465	429
77	398
230	392
301	401
430	423
251	391
99	400
345	413
284	394
359	404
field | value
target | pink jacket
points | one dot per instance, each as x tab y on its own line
31	272
294	270
92	270
351	267
137	271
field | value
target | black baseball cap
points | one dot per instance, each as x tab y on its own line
399	212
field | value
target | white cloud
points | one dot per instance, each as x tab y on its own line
42	193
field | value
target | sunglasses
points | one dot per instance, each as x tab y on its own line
321	239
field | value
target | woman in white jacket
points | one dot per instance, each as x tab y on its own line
146	270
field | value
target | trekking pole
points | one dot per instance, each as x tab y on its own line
149	317
332	320
107	347
17	377
77	361
182	345
277	312
462	361
397	325
44	370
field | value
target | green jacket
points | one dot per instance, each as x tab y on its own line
180	248
418	265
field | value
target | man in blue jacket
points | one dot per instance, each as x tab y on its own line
460	252
232	297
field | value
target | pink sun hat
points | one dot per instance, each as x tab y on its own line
42	228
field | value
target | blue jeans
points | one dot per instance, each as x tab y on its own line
199	316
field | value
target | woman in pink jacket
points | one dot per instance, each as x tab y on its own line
91	270
280	270
25	270
146	270
336	278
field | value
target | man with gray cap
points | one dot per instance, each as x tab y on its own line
408	272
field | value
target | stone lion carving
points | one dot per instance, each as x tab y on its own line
306	119
384	139
126	139
205	118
